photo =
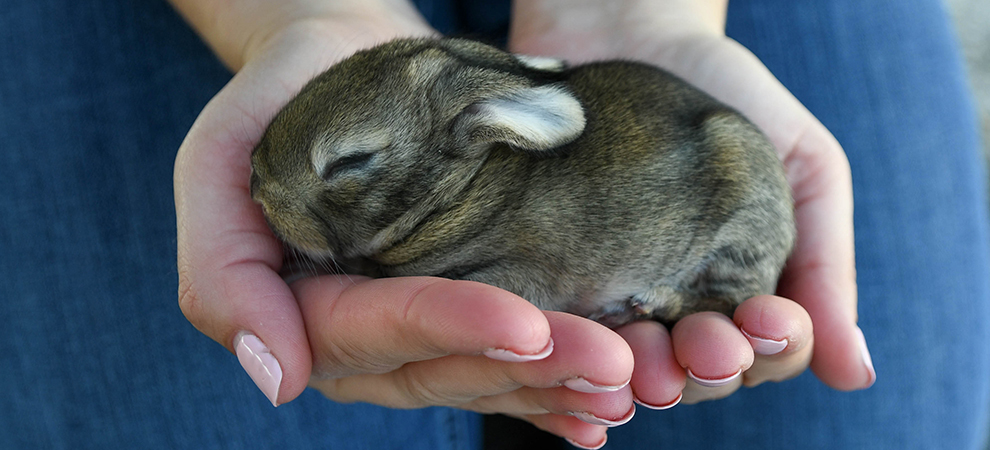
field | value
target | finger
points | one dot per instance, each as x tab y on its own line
610	409
821	274
658	379
230	291
376	326
228	259
594	358
713	352
580	434
588	351
780	332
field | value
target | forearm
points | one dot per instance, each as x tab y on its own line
238	29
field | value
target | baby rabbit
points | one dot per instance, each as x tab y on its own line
610	190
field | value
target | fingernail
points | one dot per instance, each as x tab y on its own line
511	356
596	447
713	382
595	420
259	363
581	385
661	407
763	346
867	360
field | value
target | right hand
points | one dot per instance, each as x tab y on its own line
815	316
404	342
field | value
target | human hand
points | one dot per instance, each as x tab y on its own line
409	342
814	319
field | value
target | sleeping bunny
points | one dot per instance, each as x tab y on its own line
610	190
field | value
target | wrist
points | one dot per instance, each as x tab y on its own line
583	30
239	30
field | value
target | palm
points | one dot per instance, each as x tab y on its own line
821	274
396	342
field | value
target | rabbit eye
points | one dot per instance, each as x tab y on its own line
346	164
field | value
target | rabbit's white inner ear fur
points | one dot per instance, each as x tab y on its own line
538	118
541	63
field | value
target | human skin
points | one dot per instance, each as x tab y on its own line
415	342
688	39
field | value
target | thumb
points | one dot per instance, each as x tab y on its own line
228	260
821	274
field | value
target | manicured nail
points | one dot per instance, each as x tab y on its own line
511	356
595	420
581	385
259	363
763	346
713	382
867	360
600	445
661	407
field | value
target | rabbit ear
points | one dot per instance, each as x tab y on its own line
535	118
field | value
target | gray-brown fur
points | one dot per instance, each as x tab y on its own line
644	198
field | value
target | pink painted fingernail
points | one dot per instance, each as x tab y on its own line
600	445
595	420
581	385
713	382
763	346
501	354
259	363
661	407
867	360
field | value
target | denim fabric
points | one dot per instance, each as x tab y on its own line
96	96
886	79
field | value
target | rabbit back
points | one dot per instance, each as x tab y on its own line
668	203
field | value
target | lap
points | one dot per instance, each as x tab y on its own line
95	98
886	79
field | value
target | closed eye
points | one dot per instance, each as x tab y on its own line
347	164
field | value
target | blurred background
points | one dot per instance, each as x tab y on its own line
973	21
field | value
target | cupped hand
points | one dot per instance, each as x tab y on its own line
405	343
770	338
415	342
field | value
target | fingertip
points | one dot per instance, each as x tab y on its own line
490	320
710	347
603	355
661	407
864	353
259	321
845	364
500	354
257	360
774	324
575	431
658	379
597	446
765	346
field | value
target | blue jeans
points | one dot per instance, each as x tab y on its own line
96	96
